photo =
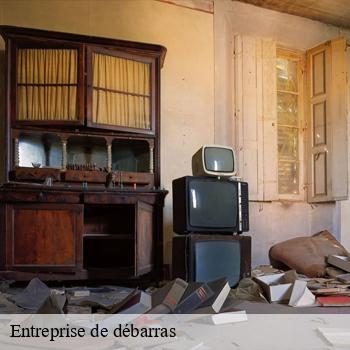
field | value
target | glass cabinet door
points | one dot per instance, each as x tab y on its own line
120	91
47	83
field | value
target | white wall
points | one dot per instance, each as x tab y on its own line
187	78
271	222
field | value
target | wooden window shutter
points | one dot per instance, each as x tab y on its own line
327	122
256	115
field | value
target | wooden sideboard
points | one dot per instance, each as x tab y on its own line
60	233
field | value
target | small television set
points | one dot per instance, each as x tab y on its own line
203	258
206	204
214	160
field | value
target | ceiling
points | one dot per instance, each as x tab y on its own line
199	5
336	12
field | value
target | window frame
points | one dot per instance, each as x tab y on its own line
300	58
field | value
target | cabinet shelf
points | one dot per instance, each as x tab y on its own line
107	236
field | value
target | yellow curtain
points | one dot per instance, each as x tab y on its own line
47	84
121	92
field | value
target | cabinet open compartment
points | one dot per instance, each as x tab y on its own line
109	236
131	155
118	237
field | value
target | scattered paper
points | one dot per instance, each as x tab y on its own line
33	296
301	295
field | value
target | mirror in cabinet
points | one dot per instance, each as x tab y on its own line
37	156
83	158
132	162
86	159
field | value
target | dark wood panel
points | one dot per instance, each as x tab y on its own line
39	195
46	235
111	198
130	178
2	235
144	243
27	173
93	176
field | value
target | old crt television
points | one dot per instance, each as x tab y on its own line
203	258
206	204
214	160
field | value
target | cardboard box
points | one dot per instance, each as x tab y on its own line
275	287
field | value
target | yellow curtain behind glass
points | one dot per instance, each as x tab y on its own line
47	84
121	92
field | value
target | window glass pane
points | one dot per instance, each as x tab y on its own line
288	125
287	77
288	177
287	109
47	84
287	143
121	91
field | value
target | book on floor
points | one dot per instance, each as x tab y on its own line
345	278
221	290
139	303
343	262
194	297
165	299
334	300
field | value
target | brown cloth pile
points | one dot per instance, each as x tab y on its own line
306	255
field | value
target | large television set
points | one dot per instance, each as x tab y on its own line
214	160
203	258
205	204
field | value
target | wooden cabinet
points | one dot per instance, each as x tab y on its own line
82	196
97	235
55	77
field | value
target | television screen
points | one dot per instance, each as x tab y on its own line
204	258
214	160
215	259
207	204
219	159
212	204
